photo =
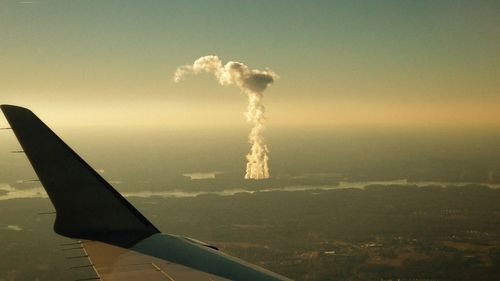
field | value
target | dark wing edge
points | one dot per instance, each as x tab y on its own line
87	207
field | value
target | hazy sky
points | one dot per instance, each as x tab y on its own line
405	63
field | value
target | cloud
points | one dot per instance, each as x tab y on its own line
253	83
233	72
13	227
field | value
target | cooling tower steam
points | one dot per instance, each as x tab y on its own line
253	83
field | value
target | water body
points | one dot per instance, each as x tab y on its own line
189	162
10	193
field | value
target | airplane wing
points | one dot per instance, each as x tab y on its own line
120	243
116	264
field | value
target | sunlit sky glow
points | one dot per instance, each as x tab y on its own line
404	63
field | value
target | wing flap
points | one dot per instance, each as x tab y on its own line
116	263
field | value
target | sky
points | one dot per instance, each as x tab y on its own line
348	63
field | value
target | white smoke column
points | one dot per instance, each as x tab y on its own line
252	82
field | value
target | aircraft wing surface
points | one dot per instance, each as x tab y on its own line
118	264
119	242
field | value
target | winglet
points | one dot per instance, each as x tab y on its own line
87	207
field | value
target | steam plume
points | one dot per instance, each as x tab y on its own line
253	83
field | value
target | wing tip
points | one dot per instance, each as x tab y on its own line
9	108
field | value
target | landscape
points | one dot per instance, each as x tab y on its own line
346	140
353	222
